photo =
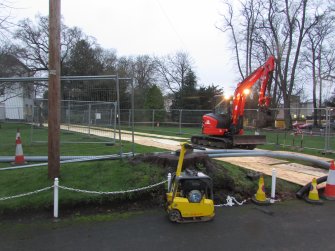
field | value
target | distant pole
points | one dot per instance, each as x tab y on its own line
54	90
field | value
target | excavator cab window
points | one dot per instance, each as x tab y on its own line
222	105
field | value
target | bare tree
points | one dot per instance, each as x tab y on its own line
316	55
144	69
279	29
5	19
228	25
33	38
172	70
252	44
109	61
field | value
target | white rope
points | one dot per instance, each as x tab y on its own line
84	191
113	192
230	202
26	194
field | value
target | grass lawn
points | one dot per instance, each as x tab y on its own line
110	175
106	176
8	133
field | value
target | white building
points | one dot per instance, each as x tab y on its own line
16	98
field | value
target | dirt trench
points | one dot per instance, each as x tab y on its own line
223	183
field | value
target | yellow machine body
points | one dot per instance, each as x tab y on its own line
190	198
205	208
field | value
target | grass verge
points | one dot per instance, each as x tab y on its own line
105	176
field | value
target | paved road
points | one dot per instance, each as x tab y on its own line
292	225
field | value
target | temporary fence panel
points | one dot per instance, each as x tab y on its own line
90	112
83	117
177	121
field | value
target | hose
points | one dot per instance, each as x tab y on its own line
300	194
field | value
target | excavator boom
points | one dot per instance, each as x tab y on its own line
226	130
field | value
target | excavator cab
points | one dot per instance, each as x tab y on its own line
190	194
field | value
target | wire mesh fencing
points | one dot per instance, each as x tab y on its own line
100	109
89	114
307	128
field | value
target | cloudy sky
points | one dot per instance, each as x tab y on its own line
153	27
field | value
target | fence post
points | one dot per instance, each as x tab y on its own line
111	117
56	184
284	143
293	141
95	116
277	141
327	131
68	115
273	185
89	119
115	113
129	118
153	118
180	115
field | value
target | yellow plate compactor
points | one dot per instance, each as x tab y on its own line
190	193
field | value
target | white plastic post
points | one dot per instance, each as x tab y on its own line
169	181
273	186
56	183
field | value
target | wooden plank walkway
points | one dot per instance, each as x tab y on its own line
292	172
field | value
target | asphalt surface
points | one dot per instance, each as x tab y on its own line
291	225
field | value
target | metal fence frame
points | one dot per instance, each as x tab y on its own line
181	122
179	118
115	78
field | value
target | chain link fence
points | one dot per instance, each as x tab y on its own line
100	110
306	130
89	113
83	117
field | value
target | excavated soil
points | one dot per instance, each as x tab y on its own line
223	183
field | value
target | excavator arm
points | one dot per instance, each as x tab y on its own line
263	73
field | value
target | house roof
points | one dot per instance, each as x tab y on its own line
10	66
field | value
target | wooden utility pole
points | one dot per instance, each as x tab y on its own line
54	90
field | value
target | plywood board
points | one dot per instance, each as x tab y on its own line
289	173
258	159
303	169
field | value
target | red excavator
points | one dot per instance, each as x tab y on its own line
224	128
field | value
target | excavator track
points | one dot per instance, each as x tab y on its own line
236	141
212	142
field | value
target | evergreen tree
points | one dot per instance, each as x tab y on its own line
187	97
154	100
206	96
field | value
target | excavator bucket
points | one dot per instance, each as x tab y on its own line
264	119
249	140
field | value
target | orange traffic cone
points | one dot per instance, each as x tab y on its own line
260	197
329	192
313	195
19	157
